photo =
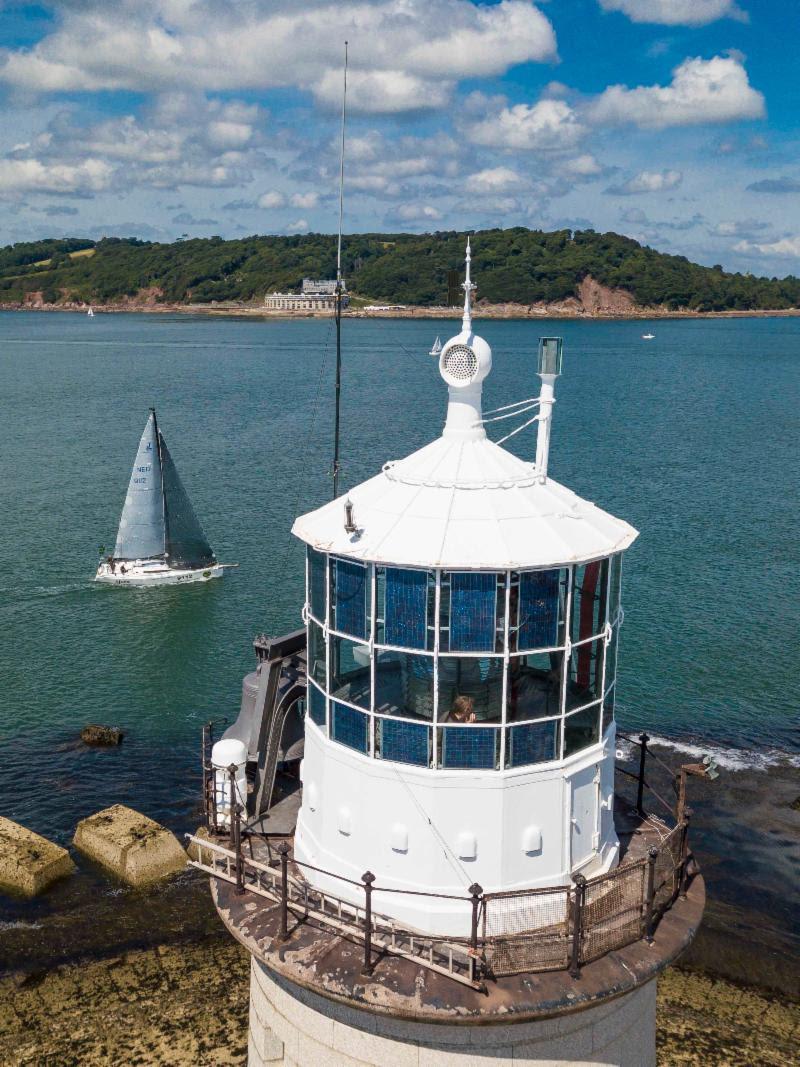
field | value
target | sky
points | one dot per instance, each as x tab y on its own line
672	121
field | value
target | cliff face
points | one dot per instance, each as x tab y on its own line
597	299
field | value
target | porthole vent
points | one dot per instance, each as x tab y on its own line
460	363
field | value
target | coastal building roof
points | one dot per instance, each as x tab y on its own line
463	501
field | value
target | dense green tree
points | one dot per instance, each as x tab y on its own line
514	265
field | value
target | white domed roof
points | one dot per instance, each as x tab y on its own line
463	502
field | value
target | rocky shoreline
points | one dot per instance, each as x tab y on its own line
188	1004
568	309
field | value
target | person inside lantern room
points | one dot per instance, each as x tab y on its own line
463	710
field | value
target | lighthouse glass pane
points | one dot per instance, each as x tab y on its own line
585	677
316	584
608	708
350	674
349	587
615	584
406	598
469	747
533	742
473	621
611	658
403	742
534	686
349	727
477	681
538	618
404	684
316	706
581	729
316	654
589	600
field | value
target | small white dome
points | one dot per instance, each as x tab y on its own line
465	360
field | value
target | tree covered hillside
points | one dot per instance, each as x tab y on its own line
515	265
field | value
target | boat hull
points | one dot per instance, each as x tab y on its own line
140	575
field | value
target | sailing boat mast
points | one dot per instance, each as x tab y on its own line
339	289
157	436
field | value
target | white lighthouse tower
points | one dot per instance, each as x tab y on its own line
459	886
461	664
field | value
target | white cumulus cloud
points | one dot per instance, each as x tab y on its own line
547	124
676	12
33	175
712	90
271	200
785	247
495	180
405	54
648	181
306	201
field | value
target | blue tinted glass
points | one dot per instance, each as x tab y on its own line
316	706
316	584
350	583
406	616
349	727
478	678
534	742
404	742
538	609
404	684
473	608
469	746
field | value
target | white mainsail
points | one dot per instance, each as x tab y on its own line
141	533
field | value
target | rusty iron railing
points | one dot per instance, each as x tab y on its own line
555	928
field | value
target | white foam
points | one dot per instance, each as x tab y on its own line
19	924
731	759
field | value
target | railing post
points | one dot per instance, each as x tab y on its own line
643	738
232	804
476	892
577	925
683	880
367	878
236	819
283	852
652	856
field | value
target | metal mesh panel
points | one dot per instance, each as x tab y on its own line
349	727
667	872
538	609
404	742
351	598
613	910
469	746
532	742
460	362
406	608
526	932
473	612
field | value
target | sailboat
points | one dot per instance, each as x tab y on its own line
90	313
437	347
160	540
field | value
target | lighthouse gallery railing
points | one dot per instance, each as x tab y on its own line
549	929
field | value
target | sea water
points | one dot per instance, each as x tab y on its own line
691	437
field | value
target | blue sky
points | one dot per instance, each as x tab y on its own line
672	121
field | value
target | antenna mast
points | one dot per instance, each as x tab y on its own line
339	289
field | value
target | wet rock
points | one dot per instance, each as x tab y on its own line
101	736
133	847
795	804
29	863
193	849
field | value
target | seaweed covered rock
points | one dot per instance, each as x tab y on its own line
101	736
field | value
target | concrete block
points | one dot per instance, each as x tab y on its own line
450	1056
133	847
29	863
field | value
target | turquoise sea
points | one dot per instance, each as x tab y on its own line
691	437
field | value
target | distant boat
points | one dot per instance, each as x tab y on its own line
648	336
437	347
160	541
90	313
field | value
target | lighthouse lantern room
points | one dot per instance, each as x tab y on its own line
463	610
